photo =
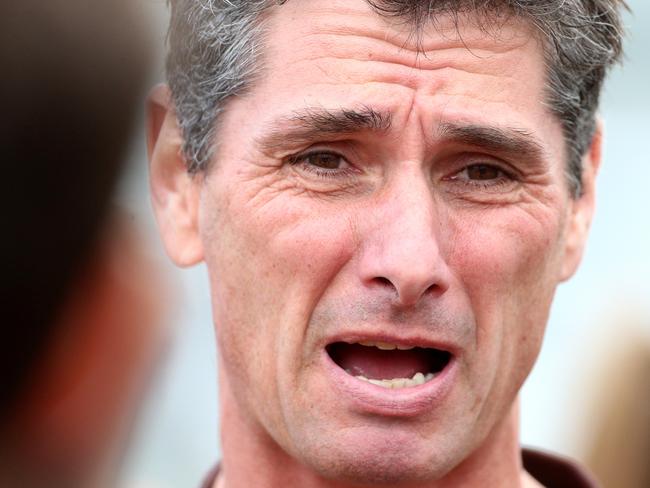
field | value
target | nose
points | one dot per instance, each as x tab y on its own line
401	250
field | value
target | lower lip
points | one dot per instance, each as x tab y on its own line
392	402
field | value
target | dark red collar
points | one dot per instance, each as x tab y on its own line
556	472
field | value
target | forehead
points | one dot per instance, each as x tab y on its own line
458	69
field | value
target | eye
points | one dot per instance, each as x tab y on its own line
482	172
482	178
324	164
322	160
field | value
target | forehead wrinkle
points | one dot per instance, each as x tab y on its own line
483	27
398	69
474	54
366	46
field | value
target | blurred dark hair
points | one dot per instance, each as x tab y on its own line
72	76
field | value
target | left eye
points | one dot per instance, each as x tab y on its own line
482	172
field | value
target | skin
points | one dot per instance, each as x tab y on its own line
389	233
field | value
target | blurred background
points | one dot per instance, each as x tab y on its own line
589	394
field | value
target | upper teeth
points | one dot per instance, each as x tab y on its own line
385	346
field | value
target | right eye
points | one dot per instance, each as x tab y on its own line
323	160
326	164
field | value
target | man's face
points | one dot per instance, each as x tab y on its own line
378	211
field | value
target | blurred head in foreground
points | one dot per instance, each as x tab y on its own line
78	336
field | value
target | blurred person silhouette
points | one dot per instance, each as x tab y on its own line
80	332
620	447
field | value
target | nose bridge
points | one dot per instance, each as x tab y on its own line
410	216
403	249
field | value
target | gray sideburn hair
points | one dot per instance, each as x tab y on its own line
215	48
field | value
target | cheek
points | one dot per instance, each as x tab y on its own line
506	254
269	265
507	262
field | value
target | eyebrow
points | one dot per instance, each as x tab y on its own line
511	141
310	124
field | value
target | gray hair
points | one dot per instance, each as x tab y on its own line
215	47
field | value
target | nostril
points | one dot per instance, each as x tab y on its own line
384	281
408	295
433	289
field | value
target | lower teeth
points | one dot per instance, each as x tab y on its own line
418	379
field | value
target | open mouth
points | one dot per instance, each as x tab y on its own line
389	365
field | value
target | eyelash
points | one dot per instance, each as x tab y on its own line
301	161
504	177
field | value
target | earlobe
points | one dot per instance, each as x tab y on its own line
582	207
174	192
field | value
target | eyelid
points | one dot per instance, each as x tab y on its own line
467	160
338	175
340	149
501	172
295	158
506	182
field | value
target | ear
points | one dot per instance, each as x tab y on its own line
174	192
582	207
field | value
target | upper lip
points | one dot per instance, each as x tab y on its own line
398	340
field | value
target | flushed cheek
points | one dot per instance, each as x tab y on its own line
270	264
505	253
507	262
313	249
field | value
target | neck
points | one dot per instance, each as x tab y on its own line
252	458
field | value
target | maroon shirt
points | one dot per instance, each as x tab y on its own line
548	469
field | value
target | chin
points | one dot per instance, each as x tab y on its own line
379	460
